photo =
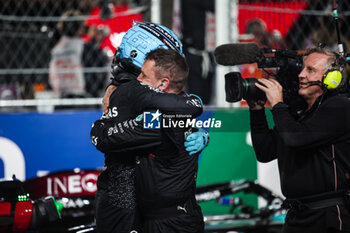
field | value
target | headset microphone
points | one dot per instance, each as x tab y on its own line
311	83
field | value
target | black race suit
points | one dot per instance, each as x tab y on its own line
166	185
115	199
313	158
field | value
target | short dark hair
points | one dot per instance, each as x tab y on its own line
170	63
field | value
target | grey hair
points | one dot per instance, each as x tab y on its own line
332	62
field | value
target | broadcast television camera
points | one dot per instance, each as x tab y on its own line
287	64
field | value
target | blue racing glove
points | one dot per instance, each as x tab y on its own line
197	141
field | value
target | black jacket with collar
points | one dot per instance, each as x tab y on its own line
313	153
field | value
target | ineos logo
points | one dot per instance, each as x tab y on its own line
13	159
88	182
71	184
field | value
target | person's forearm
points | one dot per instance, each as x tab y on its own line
147	98
325	125
263	138
124	136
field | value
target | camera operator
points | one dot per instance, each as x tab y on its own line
313	150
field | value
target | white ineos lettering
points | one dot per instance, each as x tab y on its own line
71	184
74	185
62	184
88	183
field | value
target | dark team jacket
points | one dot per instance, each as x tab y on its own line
122	130
166	177
121	139
313	153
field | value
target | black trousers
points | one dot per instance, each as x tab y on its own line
326	220
112	219
189	221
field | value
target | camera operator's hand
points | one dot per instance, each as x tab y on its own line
105	100
272	89
256	104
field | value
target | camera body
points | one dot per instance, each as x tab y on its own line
287	64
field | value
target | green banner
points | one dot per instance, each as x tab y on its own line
229	156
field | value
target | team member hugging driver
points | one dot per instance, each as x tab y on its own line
121	138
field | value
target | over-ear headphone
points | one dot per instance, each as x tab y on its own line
332	78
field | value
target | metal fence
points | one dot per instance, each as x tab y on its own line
32	40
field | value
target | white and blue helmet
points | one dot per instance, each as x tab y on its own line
145	37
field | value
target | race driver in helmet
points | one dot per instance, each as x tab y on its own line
121	138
